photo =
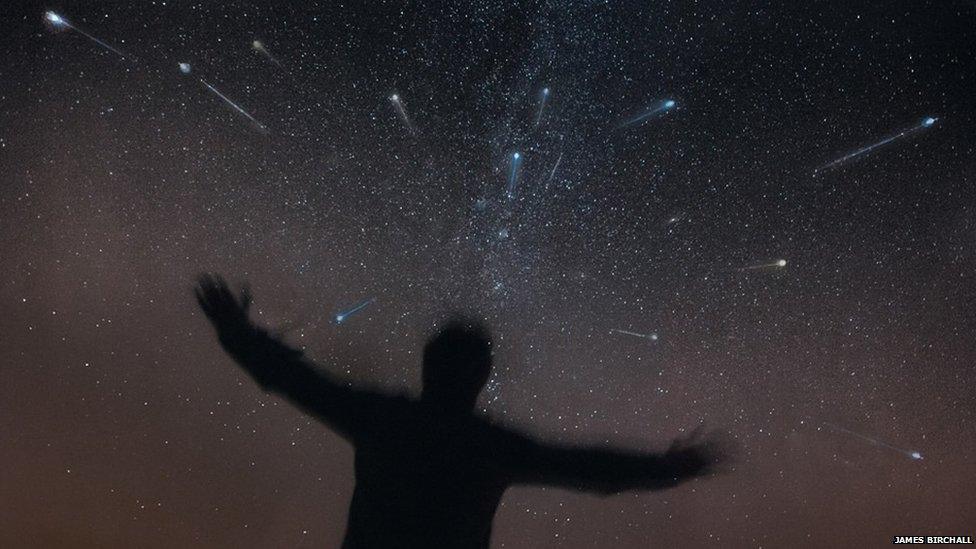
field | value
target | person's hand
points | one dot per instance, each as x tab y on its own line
227	312
698	454
262	354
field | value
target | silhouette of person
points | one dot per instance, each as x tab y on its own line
430	472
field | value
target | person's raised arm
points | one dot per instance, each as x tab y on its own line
274	365
607	470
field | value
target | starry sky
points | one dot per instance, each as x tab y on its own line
123	178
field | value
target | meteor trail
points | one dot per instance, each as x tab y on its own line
401	111
925	123
234	105
57	23
652	337
542	106
779	264
664	106
259	47
913	454
552	174
513	174
343	315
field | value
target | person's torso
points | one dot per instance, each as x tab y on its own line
423	481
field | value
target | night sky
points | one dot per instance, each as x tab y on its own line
124	424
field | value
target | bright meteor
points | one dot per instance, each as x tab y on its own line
401	111
343	315
259	47
59	23
185	68
927	122
651	337
912	454
778	264
513	174
661	107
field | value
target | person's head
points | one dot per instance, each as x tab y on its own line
457	363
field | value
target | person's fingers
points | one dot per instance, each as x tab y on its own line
202	300
223	306
246	298
207	282
686	441
222	290
223	297
212	290
719	452
696	435
212	295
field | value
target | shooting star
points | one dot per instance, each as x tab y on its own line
778	264
542	106
236	107
185	69
59	23
912	454
513	175
401	111
555	166
651	337
259	47
927	122
664	106
343	315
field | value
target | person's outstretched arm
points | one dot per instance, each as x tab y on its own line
607	470
275	366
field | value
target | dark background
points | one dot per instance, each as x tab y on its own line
123	424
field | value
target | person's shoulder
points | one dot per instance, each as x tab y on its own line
499	433
397	399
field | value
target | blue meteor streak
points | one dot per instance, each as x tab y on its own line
664	106
513	174
542	106
57	22
343	315
925	123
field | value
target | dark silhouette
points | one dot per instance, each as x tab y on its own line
430	472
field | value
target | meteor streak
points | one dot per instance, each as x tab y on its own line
401	111
652	337
779	264
927	122
259	47
555	166
235	106
343	315
542	106
912	454
58	23
513	174
664	106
